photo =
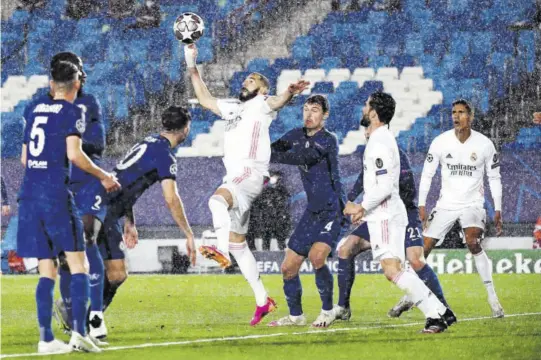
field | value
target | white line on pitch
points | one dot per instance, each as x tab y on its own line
263	336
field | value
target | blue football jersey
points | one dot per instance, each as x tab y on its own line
147	162
317	159
94	136
48	124
407	188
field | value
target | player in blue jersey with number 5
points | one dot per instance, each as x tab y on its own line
315	150
48	220
87	202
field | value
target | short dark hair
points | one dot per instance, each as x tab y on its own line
321	100
67	56
466	104
64	72
384	105
175	118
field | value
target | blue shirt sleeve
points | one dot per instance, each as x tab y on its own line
283	144
358	188
75	124
4	193
27	125
94	137
167	167
300	156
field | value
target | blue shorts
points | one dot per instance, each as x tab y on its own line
413	236
110	240
47	227
90	199
323	226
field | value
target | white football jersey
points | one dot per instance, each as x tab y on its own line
462	168
246	139
381	161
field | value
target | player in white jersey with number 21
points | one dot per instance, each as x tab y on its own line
246	158
464	155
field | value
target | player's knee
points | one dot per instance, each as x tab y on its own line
117	276
417	263
344	252
318	260
474	247
288	271
217	202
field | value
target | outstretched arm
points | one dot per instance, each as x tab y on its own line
174	203
201	91
279	101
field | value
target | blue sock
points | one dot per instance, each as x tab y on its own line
346	278
293	293
97	271
79	298
324	283
65	291
430	278
44	301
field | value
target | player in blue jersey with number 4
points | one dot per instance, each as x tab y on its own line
49	223
315	150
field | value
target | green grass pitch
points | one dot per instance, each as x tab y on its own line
206	317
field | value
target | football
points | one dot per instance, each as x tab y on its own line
189	27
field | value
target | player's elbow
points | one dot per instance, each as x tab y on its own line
73	156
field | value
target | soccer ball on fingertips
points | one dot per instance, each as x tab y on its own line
188	27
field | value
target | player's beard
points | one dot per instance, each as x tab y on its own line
249	94
365	121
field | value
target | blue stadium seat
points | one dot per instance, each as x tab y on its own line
330	63
323	87
205	50
257	64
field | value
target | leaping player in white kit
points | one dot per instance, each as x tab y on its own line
465	155
247	154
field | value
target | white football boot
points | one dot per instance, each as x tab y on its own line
497	309
96	323
83	343
325	319
405	304
342	313
54	347
289	321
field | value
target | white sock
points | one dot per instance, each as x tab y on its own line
248	267
222	222
484	268
421	296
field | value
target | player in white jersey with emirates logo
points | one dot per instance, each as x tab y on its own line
246	158
465	156
385	213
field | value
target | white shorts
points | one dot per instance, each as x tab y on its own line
440	221
387	238
244	188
